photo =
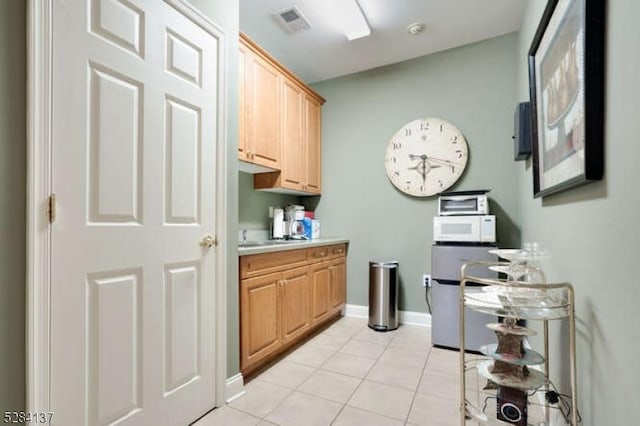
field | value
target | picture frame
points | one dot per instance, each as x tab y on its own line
566	87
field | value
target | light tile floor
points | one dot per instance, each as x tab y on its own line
351	375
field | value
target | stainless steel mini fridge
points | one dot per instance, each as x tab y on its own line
446	261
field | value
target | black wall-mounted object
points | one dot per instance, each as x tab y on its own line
522	131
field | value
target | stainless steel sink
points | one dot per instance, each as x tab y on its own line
252	244
267	243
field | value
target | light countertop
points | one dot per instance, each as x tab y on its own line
254	247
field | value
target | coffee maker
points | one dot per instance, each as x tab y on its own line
294	226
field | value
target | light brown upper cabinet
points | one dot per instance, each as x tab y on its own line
259	95
286	109
313	145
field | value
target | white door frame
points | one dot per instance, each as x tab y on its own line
39	171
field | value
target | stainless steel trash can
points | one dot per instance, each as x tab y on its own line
383	295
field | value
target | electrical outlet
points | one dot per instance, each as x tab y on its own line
426	280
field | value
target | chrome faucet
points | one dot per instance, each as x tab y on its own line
244	236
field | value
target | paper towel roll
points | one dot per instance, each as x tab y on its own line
278	223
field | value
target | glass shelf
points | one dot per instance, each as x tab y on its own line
528	358
484	412
518	301
533	381
481	404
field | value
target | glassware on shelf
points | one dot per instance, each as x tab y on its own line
524	263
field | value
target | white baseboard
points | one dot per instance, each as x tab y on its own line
234	387
422	319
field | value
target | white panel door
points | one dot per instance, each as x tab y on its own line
134	144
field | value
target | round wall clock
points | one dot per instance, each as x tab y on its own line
426	157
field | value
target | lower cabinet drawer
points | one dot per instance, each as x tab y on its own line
259	264
338	250
318	254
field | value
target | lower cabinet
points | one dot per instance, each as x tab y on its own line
320	291
294	304
338	288
261	329
295	293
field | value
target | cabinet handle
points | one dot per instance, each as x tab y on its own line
321	254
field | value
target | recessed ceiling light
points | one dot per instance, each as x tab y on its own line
416	28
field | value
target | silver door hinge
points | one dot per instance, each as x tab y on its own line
51	208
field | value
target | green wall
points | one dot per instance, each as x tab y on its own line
593	235
473	87
253	207
13	183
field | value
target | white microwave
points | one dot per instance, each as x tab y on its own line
466	229
463	203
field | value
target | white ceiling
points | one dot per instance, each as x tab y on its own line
324	52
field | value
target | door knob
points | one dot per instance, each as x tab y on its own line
208	241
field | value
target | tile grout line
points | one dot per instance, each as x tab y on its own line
362	380
415	394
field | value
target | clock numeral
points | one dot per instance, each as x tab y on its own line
394	160
440	183
421	188
441	128
454	139
407	132
424	125
459	153
453	169
397	145
408	184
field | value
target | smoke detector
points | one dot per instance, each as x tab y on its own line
416	28
292	20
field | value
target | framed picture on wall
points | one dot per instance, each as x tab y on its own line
566	84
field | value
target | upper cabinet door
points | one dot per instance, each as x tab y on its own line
293	146
262	124
313	128
243	104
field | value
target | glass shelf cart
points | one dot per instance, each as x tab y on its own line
482	383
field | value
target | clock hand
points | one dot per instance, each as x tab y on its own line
427	166
443	161
428	158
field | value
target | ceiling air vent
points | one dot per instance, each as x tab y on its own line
292	20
